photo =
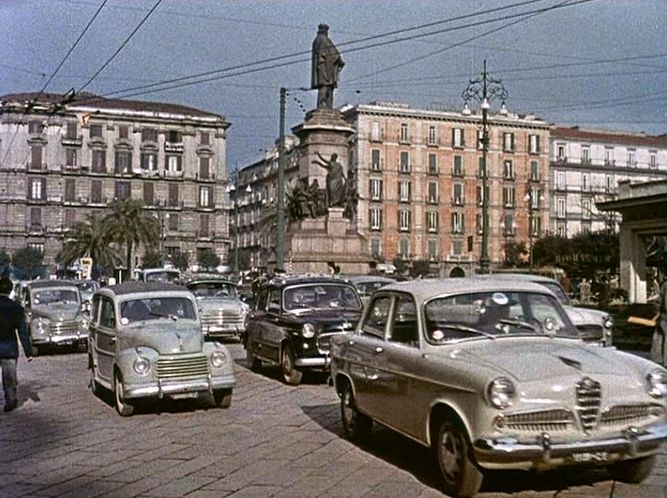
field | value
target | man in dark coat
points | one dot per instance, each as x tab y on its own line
12	322
326	65
658	344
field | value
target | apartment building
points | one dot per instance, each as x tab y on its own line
585	168
420	183
62	160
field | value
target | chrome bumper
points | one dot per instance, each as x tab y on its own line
313	362
510	453
61	339
164	388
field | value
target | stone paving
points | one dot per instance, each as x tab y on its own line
275	440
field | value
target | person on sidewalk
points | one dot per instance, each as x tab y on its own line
658	346
12	322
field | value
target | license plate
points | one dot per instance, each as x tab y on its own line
593	456
185	396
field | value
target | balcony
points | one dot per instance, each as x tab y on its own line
35	229
173	146
377	136
72	140
173	174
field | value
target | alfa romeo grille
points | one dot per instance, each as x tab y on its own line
180	367
590	332
546	420
65	327
589	397
630	414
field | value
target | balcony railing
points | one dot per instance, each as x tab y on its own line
173	146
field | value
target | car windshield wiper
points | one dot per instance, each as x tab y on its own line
160	315
520	324
464	328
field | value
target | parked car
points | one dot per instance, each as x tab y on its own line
54	314
367	284
293	320
594	326
171	275
221	309
492	374
146	342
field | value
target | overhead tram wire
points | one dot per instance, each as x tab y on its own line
127	40
182	82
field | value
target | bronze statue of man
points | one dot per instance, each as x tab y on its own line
326	66
335	191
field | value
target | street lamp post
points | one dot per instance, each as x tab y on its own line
485	90
533	198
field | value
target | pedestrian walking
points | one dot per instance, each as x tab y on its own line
12	323
658	346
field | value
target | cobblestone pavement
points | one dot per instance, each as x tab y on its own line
275	440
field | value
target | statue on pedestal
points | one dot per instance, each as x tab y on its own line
335	180
326	66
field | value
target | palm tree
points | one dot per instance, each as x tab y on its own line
129	225
88	239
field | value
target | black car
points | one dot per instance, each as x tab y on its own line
293	319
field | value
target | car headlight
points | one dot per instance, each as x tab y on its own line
608	322
218	358
43	325
141	365
656	383
308	330
501	392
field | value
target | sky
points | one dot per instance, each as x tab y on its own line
592	63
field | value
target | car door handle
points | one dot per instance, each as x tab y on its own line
379	349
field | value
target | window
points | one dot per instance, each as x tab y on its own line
481	194
376	218
376	160
70	156
433	250
35	127
404	248
560	152
96	191
585	182
172	222
534	170
403	328
204	225
508	224
205	197
508	142
458	165
71	130
148	161
37	246
432	221
509	197
533	144
123	161
652	159
536	226
405	162
149	135
173	163
123	132
107	314
534	198
375	189
174	136
404	191
36	157
173	195
458	137
36	218
560	180
481	169
585	155
458	194
38	189
377	318
432	164
70	190
204	168
457	222
480	139
561	230
99	161
432	192
432	135
632	158
609	155
508	169
586	210
95	131
376	247
204	138
149	193
404	133
457	246
404	220
609	183
560	207
123	191
376	134
69	218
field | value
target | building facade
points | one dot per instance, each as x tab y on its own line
586	167
61	161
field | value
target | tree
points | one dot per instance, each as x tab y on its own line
515	253
152	259
420	267
28	261
208	259
5	259
89	239
129	225
180	260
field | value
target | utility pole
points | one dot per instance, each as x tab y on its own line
280	222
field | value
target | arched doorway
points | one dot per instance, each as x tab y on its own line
457	272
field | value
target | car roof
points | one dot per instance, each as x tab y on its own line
284	280
427	288
140	287
358	279
526	277
43	284
210	279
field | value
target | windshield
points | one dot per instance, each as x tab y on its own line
321	297
162	308
161	276
557	290
50	296
495	314
367	288
213	289
88	286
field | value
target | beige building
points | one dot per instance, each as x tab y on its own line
62	161
586	168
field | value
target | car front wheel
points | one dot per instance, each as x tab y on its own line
222	398
251	361
291	375
357	425
461	478
632	471
123	408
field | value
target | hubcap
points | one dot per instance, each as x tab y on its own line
287	362
348	411
450	454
